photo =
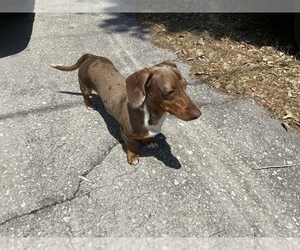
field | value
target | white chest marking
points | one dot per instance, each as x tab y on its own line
153	130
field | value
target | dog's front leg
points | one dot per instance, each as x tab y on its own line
132	156
150	142
131	148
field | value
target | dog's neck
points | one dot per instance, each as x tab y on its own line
152	121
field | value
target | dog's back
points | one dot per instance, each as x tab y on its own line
99	74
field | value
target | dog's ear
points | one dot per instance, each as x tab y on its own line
171	66
135	85
174	68
168	63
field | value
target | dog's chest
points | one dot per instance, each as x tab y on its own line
153	130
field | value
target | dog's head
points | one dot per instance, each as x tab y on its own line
163	88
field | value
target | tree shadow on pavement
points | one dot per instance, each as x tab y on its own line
163	153
120	23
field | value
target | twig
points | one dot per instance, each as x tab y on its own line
84	179
278	166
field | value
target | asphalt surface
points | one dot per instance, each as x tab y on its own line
64	171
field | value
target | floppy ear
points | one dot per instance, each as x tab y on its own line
135	85
173	67
169	63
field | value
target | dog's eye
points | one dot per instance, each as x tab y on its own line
169	94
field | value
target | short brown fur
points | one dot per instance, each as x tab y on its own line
158	89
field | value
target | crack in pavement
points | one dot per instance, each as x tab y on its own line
88	171
75	194
113	181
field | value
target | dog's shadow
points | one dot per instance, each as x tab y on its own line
162	153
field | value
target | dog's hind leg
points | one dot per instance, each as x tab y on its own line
86	92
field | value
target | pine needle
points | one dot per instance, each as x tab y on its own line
277	166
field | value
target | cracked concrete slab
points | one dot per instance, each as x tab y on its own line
64	169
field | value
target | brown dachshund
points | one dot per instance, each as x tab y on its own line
139	102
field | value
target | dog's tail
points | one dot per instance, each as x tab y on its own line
73	67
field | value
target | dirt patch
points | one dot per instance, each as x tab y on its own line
247	55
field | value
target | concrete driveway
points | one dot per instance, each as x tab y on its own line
64	172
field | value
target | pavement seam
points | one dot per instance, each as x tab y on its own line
88	171
40	209
113	181
74	195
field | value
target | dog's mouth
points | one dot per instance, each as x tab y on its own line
187	114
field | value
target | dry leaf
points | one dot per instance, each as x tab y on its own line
199	52
286	126
199	73
201	42
289	115
230	86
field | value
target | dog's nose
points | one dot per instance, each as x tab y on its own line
195	113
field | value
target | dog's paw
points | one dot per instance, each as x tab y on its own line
152	145
91	107
134	160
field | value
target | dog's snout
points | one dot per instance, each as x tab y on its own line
194	113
